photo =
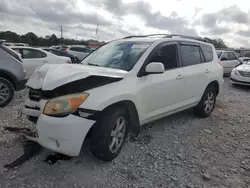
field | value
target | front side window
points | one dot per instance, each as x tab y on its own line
85	50
224	56
231	56
74	49
32	54
118	55
190	55
166	55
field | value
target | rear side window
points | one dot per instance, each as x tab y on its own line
208	52
32	54
190	55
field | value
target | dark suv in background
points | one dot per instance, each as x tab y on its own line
12	75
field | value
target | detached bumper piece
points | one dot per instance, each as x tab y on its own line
30	148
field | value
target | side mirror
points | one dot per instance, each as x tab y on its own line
155	68
224	59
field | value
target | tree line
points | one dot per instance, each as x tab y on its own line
33	40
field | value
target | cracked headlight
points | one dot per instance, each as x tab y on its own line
65	105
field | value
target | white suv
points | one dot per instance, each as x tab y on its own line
118	88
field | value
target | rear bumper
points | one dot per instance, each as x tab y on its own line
21	84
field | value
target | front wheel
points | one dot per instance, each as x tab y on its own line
6	92
207	103
108	134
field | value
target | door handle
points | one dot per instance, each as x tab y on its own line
45	61
207	71
179	77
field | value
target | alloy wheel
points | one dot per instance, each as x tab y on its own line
4	93
117	134
209	102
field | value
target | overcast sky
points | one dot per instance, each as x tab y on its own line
227	19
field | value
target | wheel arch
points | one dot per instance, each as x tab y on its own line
129	106
8	76
216	85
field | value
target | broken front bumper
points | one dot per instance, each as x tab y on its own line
62	134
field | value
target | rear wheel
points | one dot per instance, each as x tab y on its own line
108	134
6	92
207	103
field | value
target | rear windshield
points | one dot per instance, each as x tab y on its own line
13	54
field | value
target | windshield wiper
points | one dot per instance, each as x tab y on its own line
93	64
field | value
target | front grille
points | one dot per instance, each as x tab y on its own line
245	74
35	94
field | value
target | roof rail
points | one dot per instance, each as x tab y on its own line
138	36
168	36
186	36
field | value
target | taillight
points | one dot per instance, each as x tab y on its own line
64	49
220	63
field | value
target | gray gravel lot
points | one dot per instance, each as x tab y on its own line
178	151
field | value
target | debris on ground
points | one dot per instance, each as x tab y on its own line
177	151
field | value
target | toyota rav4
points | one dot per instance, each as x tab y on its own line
118	88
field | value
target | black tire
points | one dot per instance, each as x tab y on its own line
200	110
101	138
8	93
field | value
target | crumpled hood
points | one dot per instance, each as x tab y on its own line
50	76
243	67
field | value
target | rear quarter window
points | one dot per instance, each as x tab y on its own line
208	52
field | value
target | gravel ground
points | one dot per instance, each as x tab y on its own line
178	151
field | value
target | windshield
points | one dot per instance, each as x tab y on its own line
118	55
219	54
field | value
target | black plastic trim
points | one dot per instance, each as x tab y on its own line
33	108
94	114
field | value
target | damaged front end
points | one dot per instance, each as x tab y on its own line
52	81
62	129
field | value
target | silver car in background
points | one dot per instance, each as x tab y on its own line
12	75
229	60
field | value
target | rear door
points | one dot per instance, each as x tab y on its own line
195	71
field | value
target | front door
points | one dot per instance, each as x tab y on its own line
160	93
